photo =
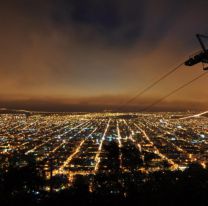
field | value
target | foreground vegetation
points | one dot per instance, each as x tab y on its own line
25	186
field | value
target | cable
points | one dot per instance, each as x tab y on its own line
150	86
174	91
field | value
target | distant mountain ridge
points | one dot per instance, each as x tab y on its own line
13	111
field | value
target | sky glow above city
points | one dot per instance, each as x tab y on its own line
91	55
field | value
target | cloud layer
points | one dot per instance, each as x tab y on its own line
84	50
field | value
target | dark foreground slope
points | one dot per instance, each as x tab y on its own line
25	187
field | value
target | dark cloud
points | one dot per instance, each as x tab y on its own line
116	22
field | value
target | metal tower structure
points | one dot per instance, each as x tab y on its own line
200	57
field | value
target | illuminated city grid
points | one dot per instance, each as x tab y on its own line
75	144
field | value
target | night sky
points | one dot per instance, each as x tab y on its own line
90	55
